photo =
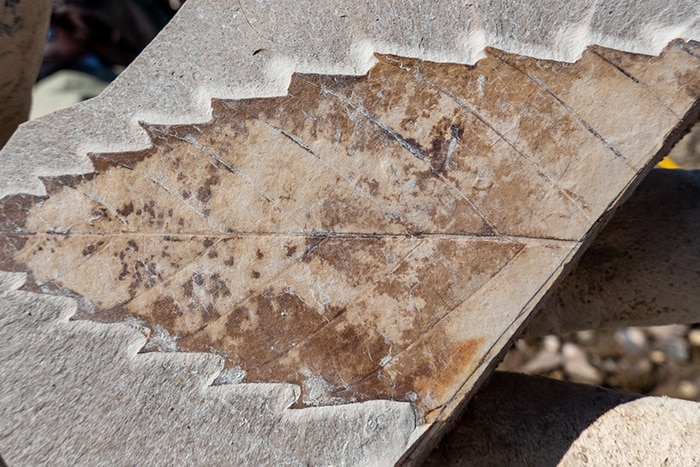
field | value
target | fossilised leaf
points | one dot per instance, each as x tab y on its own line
381	236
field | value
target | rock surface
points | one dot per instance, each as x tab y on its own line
571	194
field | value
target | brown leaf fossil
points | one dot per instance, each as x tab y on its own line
377	236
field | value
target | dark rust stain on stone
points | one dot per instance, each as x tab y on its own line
127	209
204	193
14	211
290	250
277	318
164	312
91	248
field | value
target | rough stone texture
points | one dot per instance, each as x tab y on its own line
23	28
650	431
92	399
252	54
520	420
642	269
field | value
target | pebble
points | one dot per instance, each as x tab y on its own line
586	337
632	340
657	357
544	362
694	337
522	346
577	366
687	390
676	348
551	344
641	369
609	365
557	374
668	331
672	340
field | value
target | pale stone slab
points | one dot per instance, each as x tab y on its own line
649	431
172	83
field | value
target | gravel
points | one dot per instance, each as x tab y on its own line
658	360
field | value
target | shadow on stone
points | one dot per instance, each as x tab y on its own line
520	420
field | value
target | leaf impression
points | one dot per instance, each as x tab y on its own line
365	237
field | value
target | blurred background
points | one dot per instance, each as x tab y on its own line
89	43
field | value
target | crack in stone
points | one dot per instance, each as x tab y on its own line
296	140
411	149
193	141
354	299
522	154
571	111
310	234
685	49
636	81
